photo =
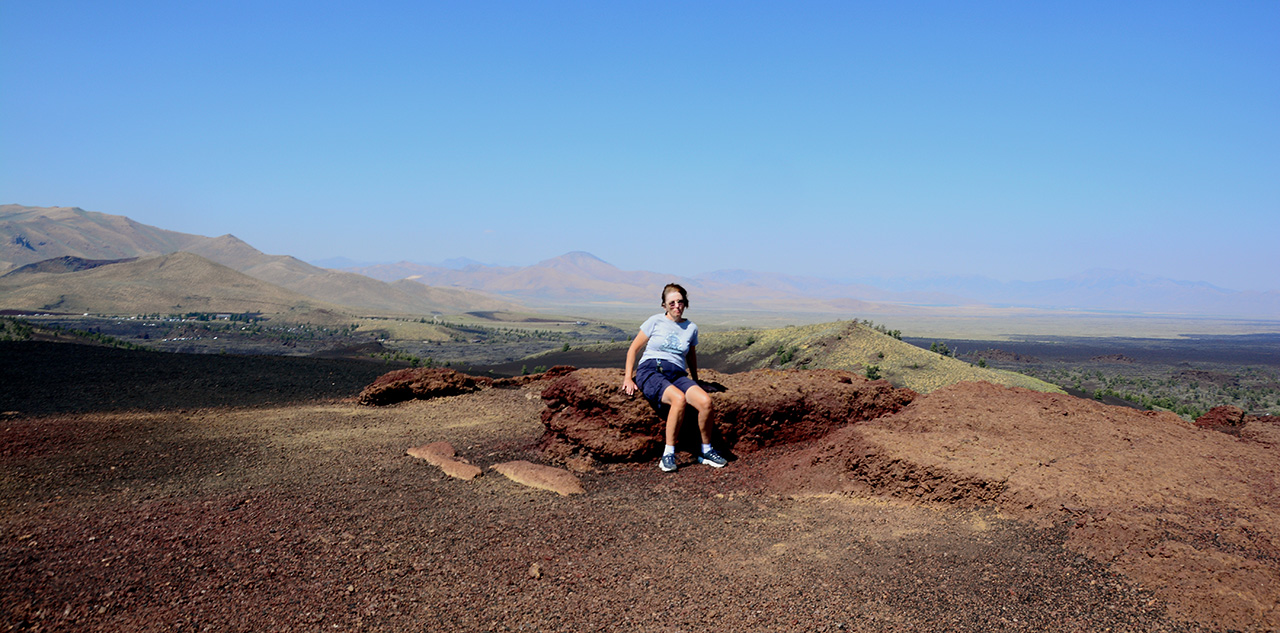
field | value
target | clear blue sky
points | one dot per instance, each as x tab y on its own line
1017	140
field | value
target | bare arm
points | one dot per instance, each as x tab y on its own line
691	359
628	382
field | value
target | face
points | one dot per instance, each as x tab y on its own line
674	304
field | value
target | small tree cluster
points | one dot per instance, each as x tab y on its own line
15	330
883	329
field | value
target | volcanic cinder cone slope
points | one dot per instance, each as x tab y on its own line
851	346
1192	514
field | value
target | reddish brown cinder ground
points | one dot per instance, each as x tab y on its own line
974	508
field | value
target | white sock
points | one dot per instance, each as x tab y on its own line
706	448
669	450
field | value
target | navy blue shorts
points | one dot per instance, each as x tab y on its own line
654	376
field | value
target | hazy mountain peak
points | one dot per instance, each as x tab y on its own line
462	263
576	258
7	210
580	262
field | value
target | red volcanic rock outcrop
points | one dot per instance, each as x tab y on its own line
421	384
1262	429
517	381
424	384
587	412
1227	419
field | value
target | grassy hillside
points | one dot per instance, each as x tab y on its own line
404	329
851	346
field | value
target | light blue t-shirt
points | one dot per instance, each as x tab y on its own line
668	340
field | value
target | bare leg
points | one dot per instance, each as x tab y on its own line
701	401
675	398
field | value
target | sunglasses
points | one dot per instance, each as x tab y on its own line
677	302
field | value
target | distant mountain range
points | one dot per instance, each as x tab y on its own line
1106	290
578	279
32	234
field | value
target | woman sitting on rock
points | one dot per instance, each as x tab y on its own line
668	373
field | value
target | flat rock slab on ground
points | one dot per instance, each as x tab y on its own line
442	455
542	477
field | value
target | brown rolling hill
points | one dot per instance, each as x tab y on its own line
175	283
344	288
571	278
33	234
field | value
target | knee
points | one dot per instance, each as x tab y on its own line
700	401
677	399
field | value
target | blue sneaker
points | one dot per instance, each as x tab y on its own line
667	463
712	458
